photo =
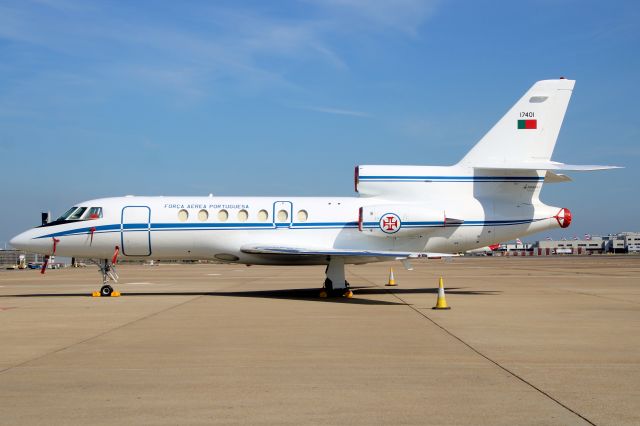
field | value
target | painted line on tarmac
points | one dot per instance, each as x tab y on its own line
491	360
468	345
586	293
96	336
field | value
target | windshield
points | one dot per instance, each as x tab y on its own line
79	213
66	214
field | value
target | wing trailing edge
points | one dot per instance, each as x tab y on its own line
309	251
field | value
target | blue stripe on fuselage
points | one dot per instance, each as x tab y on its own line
470	179
141	227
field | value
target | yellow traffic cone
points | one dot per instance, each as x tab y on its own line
441	303
392	279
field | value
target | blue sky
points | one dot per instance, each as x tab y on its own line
286	97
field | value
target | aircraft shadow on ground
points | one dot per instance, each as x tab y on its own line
307	294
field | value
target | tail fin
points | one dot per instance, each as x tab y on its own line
528	132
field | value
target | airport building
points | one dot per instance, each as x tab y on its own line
624	242
631	241
12	257
590	246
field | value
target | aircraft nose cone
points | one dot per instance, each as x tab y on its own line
20	241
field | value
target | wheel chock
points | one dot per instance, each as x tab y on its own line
348	294
392	279
115	294
441	302
323	294
95	294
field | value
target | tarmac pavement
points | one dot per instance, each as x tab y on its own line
527	341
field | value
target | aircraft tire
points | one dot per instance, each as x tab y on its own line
106	290
328	285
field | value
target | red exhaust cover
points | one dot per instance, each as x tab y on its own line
564	218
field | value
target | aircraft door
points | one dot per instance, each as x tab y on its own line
135	231
282	214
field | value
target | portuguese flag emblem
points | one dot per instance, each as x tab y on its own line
527	124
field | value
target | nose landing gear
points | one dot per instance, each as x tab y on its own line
109	273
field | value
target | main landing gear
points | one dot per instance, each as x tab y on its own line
335	283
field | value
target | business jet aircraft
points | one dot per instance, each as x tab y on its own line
491	195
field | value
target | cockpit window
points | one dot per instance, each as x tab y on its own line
66	214
77	215
94	213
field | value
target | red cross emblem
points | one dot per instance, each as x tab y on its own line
390	223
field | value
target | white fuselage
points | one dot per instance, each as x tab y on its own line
453	211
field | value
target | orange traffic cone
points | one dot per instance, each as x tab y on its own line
392	279
441	303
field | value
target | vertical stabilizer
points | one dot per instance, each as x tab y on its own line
528	132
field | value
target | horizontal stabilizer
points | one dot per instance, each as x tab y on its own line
543	165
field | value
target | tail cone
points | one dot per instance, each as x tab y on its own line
564	218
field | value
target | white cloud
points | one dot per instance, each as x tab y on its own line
208	45
405	16
337	111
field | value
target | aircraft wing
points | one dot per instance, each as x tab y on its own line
361	255
309	251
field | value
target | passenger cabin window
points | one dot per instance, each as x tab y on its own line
283	216
203	215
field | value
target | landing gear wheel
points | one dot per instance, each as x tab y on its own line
328	285
327	290
106	290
